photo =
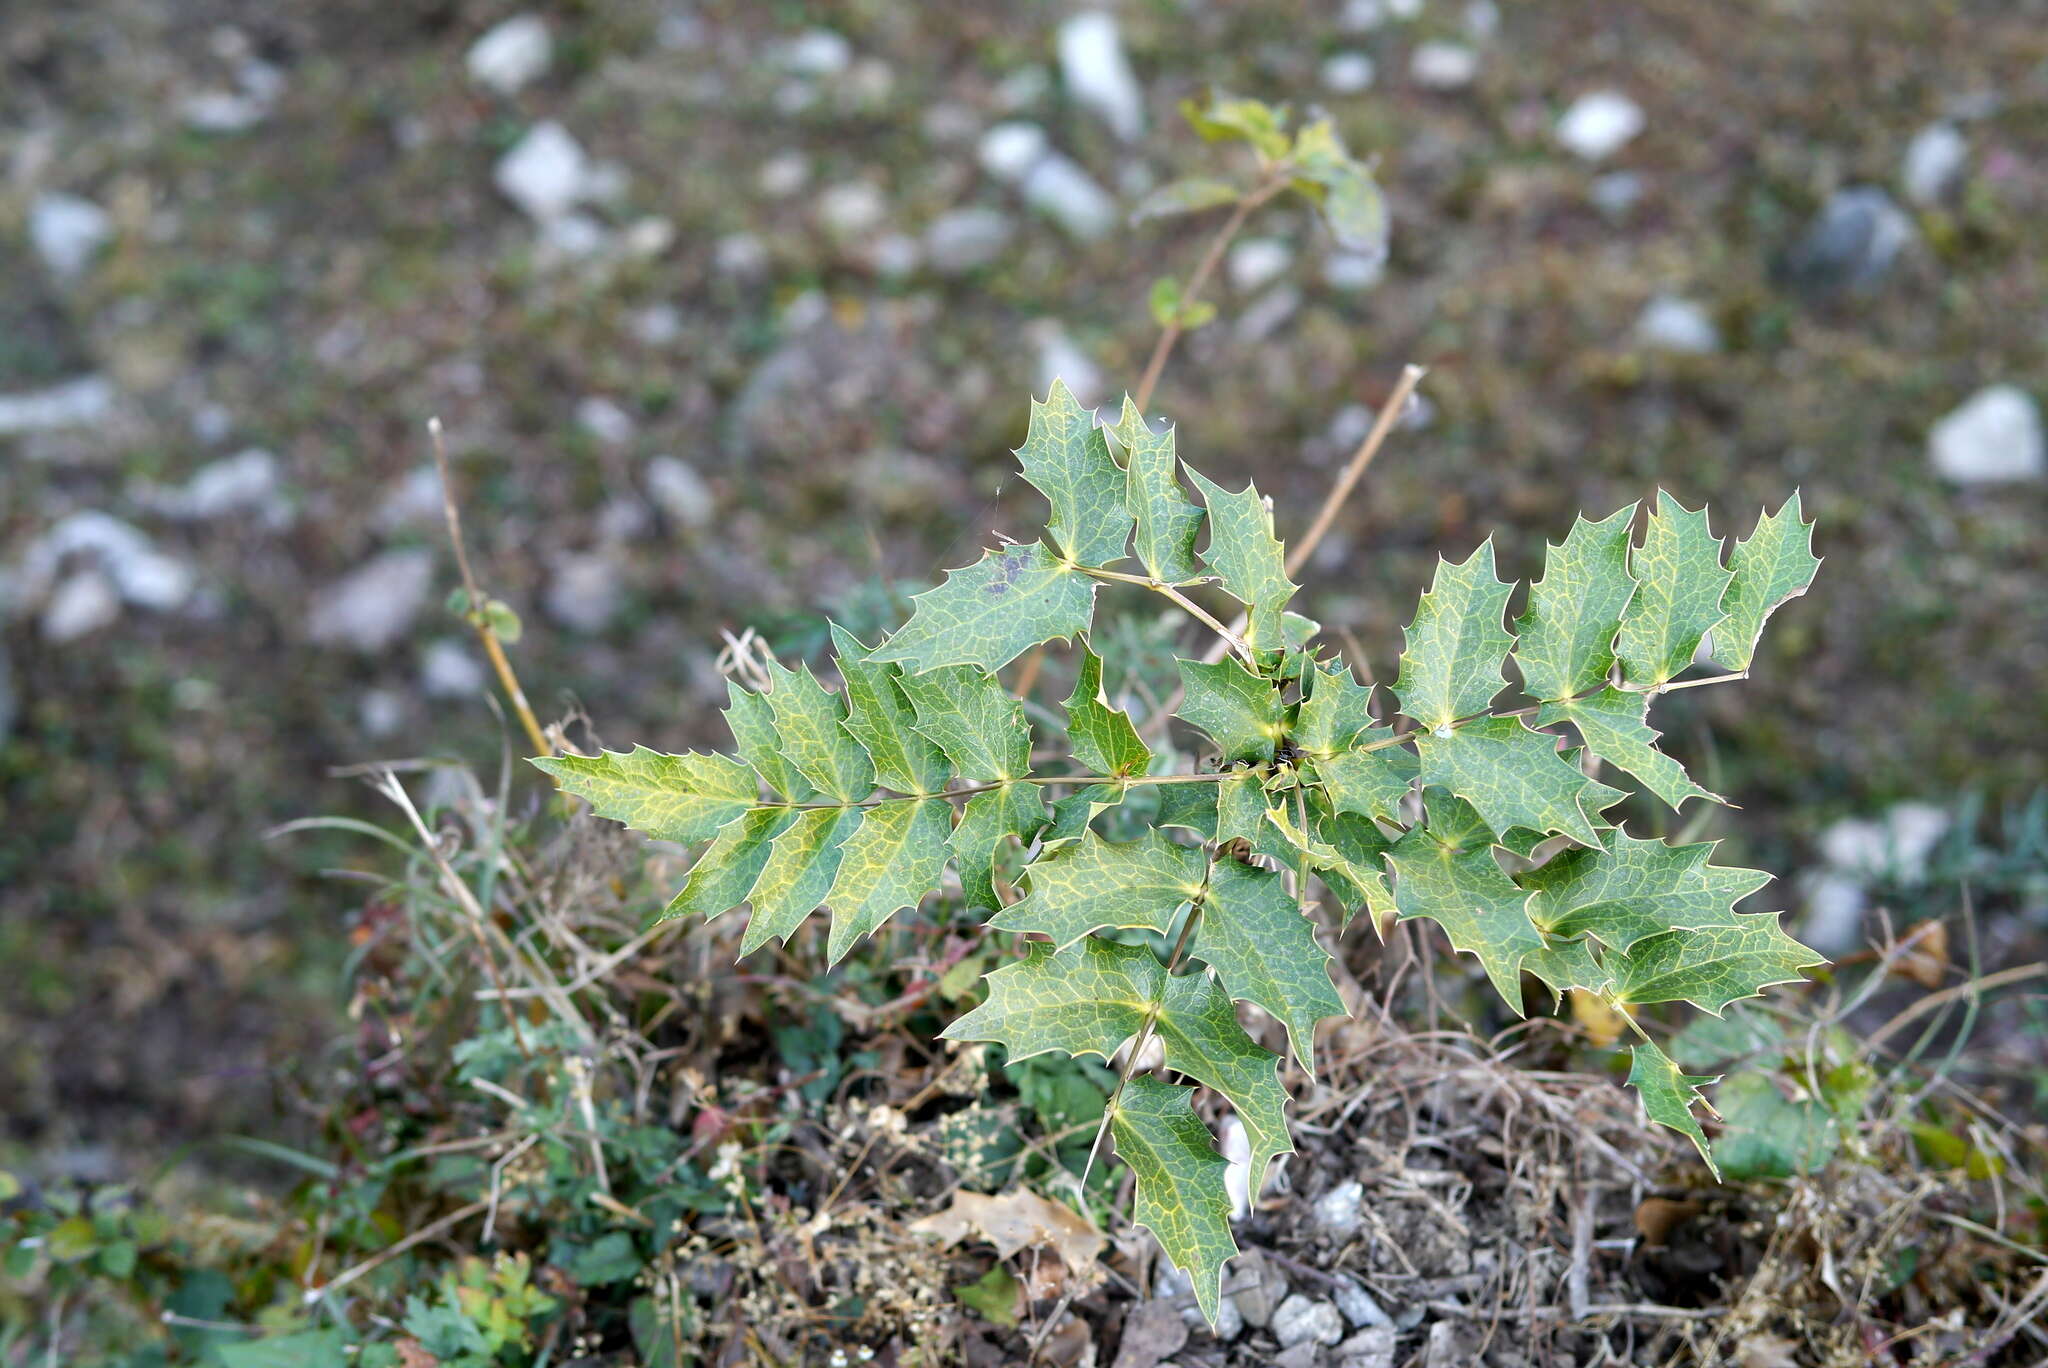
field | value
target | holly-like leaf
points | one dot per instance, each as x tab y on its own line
1515	777
1072	814
1016	809
1336	715
880	718
1668	1095
685	797
1066	457
1191	807
1564	640
1166	520
1248	559
1180	1198
1679	586
1352	868
1102	737
1371	783
1713	966
1615	727
1093	883
810	720
1567	964
1266	952
1772	565
991	612
1446	872
802	863
968	714
1636	888
1252	121
1240	807
1188	195
1455	646
1242	713
753	734
725	873
889	864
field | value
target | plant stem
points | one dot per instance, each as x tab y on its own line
1229	639
1389	414
1275	181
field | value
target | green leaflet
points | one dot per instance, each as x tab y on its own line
1514	777
1093	883
1765	1135
889	864
811	723
1248	559
1635	889
1679	584
1192	807
973	719
685	797
1010	810
1240	807
725	873
753	734
880	718
1615	727
1167	521
1456	644
1713	966
1371	783
1094	995
1772	565
1460	887
1336	715
802	863
1668	1095
1067	459
1181	1198
1266	952
1353	869
1072	814
1564	641
992	611
1563	964
1102	737
1242	713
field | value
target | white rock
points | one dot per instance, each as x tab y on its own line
1236	1147
1009	150
815	52
1257	261
211	423
1299	1320
373	606
144	576
1854	242
738	254
657	325
961	240
783	174
1357	1304
1060	359
245	483
574	236
852	208
1404	9
650	237
1833	922
1341	1210
414	500
1362	16
1599	124
1353	271
680	492
1267	314
545	173
1023	88
222	111
894	255
1438	65
1993	438
381	712
583	595
1617	192
449	671
1669	323
1372	1347
1482	19
84	603
68	232
622	519
1058	188
1099	75
1934	159
605	420
511	55
1347	73
84	402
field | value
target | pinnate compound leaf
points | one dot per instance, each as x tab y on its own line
753	734
1266	953
1772	565
685	797
1456	644
1103	737
1615	727
1515	777
880	718
725	873
1668	1095
1016	809
811	722
989	613
1093	883
1712	966
1564	640
889	864
968	714
1248	559
1167	521
1446	872
1066	457
1180	1198
1336	715
802	863
1635	888
1242	713
1679	586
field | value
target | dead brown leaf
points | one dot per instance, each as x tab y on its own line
1016	1220
1657	1217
